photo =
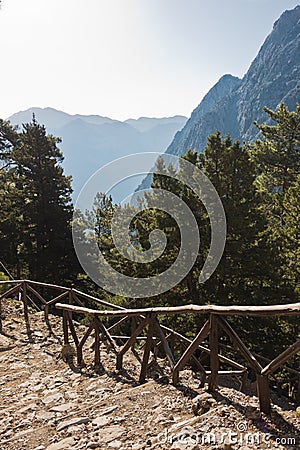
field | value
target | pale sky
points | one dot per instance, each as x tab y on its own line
126	58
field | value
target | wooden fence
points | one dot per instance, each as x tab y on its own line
158	337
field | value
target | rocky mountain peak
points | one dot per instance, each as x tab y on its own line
226	84
232	104
288	19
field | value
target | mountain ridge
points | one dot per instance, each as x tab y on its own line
272	77
26	115
91	141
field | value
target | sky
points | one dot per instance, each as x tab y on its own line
126	58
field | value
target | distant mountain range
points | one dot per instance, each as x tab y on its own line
89	142
233	104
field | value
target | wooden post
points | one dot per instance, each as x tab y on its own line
148	346
46	313
297	396
97	344
65	327
214	358
82	342
243	382
80	361
26	314
133	327
70	300
25	303
263	391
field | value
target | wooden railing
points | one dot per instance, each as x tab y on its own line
158	337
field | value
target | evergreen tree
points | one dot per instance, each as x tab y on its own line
241	271
277	153
290	234
11	203
40	194
277	160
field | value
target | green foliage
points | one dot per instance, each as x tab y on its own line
35	204
278	166
241	270
290	235
277	154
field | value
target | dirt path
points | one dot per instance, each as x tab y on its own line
48	404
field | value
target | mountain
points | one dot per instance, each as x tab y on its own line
146	123
224	88
53	118
90	141
232	104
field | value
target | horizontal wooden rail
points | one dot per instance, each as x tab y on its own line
292	309
11	282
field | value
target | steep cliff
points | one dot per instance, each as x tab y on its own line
232	105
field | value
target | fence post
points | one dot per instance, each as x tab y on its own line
97	344
147	349
65	327
24	300
263	391
133	328
46	313
214	358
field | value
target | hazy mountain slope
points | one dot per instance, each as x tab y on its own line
89	142
49	116
146	123
273	76
184	139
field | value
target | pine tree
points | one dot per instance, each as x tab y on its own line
41	198
277	153
11	204
241	270
290	235
277	160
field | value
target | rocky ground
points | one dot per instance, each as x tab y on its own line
49	404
